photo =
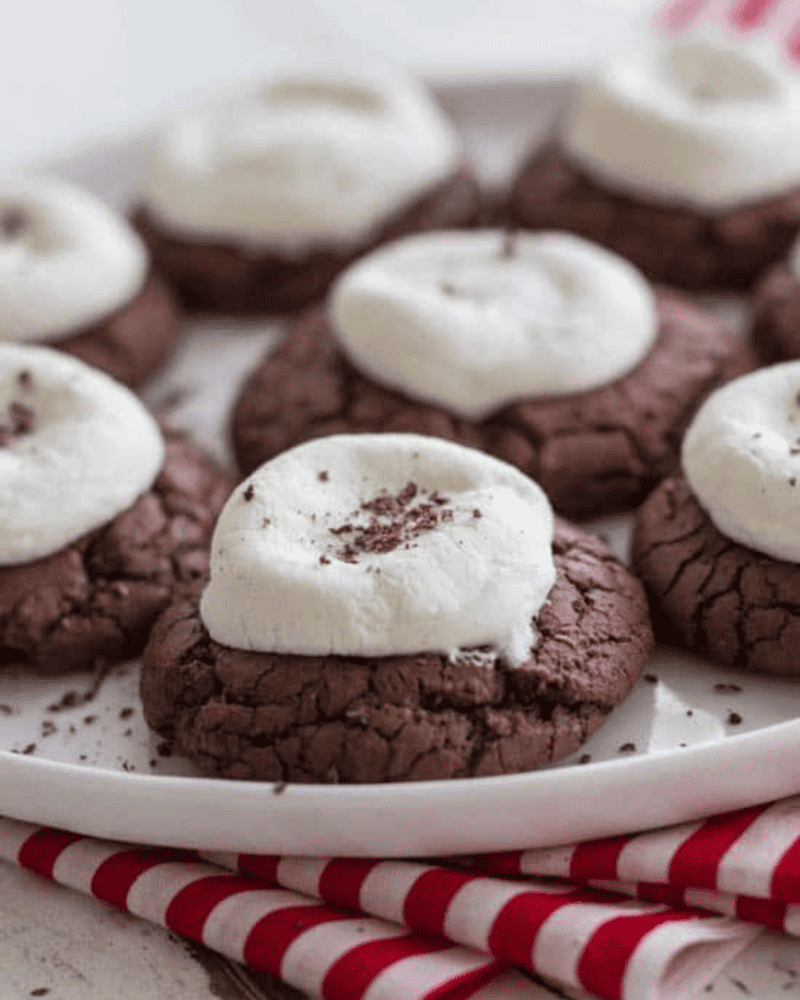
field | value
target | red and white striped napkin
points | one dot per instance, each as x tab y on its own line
367	929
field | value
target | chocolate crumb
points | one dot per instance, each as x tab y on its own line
6	709
740	985
249	493
627	747
682	744
127	712
323	476
40	991
265	521
509	245
727	688
25	381
82	757
89	719
23	418
477	512
585	758
651	678
48	727
279	787
128	732
12	222
324	560
342	529
793	481
794	451
734	719
437	498
689	711
29	748
757	435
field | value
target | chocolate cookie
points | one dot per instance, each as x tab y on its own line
133	342
594	452
277	717
702	251
97	598
222	276
776	315
710	594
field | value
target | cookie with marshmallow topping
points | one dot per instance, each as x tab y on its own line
255	200
393	607
542	349
681	154
103	518
718	547
75	275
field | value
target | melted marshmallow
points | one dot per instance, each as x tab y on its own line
473	320
741	456
87	450
296	567
300	160
66	260
700	122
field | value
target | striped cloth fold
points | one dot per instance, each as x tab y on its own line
744	864
355	929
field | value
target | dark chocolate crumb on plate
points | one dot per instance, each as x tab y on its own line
627	748
323	476
651	678
585	758
734	719
248	494
279	787
127	712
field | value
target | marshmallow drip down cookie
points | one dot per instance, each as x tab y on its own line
257	200
74	275
718	547
681	155
102	519
446	630
542	349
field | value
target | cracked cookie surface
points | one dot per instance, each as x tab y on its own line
679	246
594	452
278	717
224	277
710	594
96	599
134	341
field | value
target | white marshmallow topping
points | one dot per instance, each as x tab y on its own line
76	449
299	160
696	121
472	320
299	565
66	260
741	456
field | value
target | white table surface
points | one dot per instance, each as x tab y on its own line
73	71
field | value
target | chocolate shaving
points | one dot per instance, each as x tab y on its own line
393	523
21	419
12	222
249	493
323	476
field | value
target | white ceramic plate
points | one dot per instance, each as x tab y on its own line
689	741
